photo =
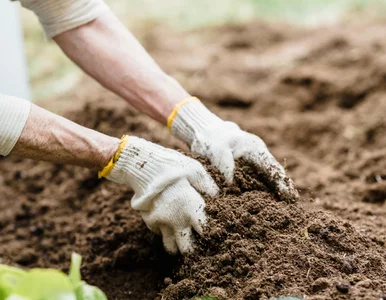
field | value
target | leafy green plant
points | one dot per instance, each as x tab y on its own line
47	284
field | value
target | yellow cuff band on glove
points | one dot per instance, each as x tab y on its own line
177	107
106	170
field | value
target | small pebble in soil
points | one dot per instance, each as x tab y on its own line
320	284
343	287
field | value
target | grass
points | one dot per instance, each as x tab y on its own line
51	73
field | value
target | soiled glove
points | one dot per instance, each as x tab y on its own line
222	142
166	185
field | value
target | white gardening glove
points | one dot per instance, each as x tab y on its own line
222	142
166	185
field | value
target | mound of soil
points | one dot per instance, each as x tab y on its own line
256	247
316	97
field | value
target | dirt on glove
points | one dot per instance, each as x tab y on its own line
316	97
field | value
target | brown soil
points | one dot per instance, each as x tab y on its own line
256	247
318	99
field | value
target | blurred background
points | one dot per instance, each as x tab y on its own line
51	73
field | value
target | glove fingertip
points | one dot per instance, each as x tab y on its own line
169	241
185	241
229	177
209	186
198	224
288	192
212	188
188	249
282	185
226	166
171	248
204	183
228	172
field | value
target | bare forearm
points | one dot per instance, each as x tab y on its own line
107	51
49	137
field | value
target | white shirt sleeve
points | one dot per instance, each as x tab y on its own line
58	16
14	113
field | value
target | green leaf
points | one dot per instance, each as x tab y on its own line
76	261
16	297
9	277
83	291
88	292
45	284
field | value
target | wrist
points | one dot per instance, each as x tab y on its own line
108	148
153	92
111	156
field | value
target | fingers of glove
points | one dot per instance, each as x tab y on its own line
169	240
147	218
184	240
198	217
224	161
202	181
231	126
274	173
198	223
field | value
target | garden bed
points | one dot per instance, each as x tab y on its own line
316	97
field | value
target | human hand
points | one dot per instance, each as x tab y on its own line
167	186
223	142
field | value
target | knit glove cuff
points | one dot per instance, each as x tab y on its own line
140	165
189	119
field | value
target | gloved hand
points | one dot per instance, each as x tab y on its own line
222	142
166	185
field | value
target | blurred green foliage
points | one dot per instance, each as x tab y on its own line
313	12
205	298
52	73
186	14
